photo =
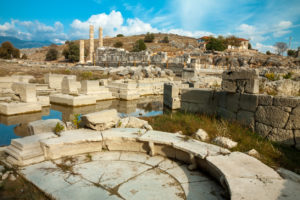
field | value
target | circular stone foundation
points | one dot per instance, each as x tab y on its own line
120	175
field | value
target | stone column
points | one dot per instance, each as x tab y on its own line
100	37
91	43
81	50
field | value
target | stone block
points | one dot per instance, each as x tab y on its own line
248	102
44	126
294	119
297	138
101	120
69	100
286	101
262	129
199	96
69	86
272	116
241	73
246	118
226	114
27	92
19	108
90	87
55	80
252	86
43	100
171	90
282	136
265	100
229	86
232	101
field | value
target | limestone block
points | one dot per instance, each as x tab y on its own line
44	126
252	86
133	122
272	116
27	92
65	99
55	80
229	86
19	108
232	101
262	129
101	120
248	102
265	100
286	101
226	114
200	96
201	135
72	143
241	73
225	142
246	118
43	100
172	103
69	86
90	87
282	136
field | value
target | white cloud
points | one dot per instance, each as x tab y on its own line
263	48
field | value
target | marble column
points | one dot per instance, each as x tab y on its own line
91	43
81	50
100	37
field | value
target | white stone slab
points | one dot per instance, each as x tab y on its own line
183	175
106	155
69	100
32	141
123	133
134	156
19	108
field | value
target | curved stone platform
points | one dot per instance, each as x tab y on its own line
120	175
243	176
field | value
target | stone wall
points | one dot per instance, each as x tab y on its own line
276	118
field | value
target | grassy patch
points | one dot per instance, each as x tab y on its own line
272	154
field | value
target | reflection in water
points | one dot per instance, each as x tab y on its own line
16	126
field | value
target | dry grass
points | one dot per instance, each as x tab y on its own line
273	154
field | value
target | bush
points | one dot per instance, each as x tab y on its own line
52	54
149	37
272	76
24	57
165	40
77	120
71	52
8	51
292	53
287	76
268	53
58	128
139	46
118	44
120	35
216	44
249	46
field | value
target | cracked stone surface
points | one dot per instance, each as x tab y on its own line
120	175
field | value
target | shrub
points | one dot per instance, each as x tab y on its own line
215	44
120	35
165	40
71	52
86	75
287	76
8	51
149	37
268	53
24	57
272	76
52	54
77	120
118	44
58	128
139	46
249	46
292	53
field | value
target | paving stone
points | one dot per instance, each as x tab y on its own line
202	190
183	175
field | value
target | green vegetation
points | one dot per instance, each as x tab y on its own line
268	53
120	35
272	154
292	53
165	40
77	120
86	76
118	44
139	46
216	44
249	46
149	37
71	52
58	128
288	75
52	54
8	51
24	57
272	76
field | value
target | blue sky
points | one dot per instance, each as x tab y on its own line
264	22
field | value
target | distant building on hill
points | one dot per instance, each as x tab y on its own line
243	43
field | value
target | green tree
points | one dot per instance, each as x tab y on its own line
165	40
8	51
71	52
268	52
52	54
120	35
149	37
249	46
215	44
139	46
118	44
233	41
292	53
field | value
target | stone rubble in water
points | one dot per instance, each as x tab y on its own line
133	122
225	142
44	126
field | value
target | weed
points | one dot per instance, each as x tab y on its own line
86	76
77	120
58	128
287	76
272	76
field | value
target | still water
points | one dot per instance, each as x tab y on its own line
16	126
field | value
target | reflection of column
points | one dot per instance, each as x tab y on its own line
100	37
81	49
91	43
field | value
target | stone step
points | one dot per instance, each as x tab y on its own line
30	161
23	155
31	141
